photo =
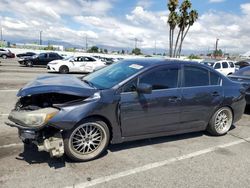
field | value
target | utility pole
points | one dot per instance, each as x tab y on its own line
1	34
86	43
136	40
155	47
216	47
41	37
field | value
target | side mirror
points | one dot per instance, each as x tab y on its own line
144	88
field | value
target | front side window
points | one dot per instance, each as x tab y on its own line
217	66
52	55
130	86
42	56
194	76
88	59
224	65
163	78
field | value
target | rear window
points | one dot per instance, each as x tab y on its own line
215	79
231	64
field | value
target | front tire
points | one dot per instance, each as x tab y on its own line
29	64
64	69
220	122
87	141
4	56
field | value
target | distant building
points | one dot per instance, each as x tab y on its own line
245	55
38	47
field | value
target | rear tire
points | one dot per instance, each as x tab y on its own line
86	141
220	122
64	69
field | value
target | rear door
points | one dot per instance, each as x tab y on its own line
156	112
201	95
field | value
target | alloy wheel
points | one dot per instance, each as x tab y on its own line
87	138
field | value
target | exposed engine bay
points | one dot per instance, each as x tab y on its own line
38	101
31	114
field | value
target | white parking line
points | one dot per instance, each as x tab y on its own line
4	115
8	90
11	145
150	166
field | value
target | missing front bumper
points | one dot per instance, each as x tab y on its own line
54	145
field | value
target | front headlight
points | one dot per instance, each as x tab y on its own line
36	118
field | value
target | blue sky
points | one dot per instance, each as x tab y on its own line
116	22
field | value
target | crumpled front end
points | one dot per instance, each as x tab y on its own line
32	115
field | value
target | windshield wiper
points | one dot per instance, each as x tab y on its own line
89	83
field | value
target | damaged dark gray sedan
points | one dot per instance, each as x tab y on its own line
129	100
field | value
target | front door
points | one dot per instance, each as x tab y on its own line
155	112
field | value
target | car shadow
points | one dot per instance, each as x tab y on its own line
247	110
31	155
153	141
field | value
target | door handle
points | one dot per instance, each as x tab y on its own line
215	94
174	99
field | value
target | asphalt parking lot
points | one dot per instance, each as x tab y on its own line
189	160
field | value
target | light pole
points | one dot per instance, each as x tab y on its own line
41	37
86	43
216	47
1	34
155	47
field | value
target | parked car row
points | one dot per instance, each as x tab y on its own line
225	67
84	64
40	59
6	54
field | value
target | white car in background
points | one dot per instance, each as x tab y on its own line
225	67
85	64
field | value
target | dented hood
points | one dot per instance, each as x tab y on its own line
64	84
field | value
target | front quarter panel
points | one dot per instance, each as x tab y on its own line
106	107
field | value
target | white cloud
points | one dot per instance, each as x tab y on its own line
216	1
71	21
145	3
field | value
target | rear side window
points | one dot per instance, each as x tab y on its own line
231	64
194	76
52	55
217	66
163	78
215	79
224	65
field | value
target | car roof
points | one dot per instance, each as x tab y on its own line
159	61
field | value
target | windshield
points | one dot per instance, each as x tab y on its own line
243	72
208	63
68	58
113	74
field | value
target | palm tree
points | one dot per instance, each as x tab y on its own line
183	22
173	19
193	16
